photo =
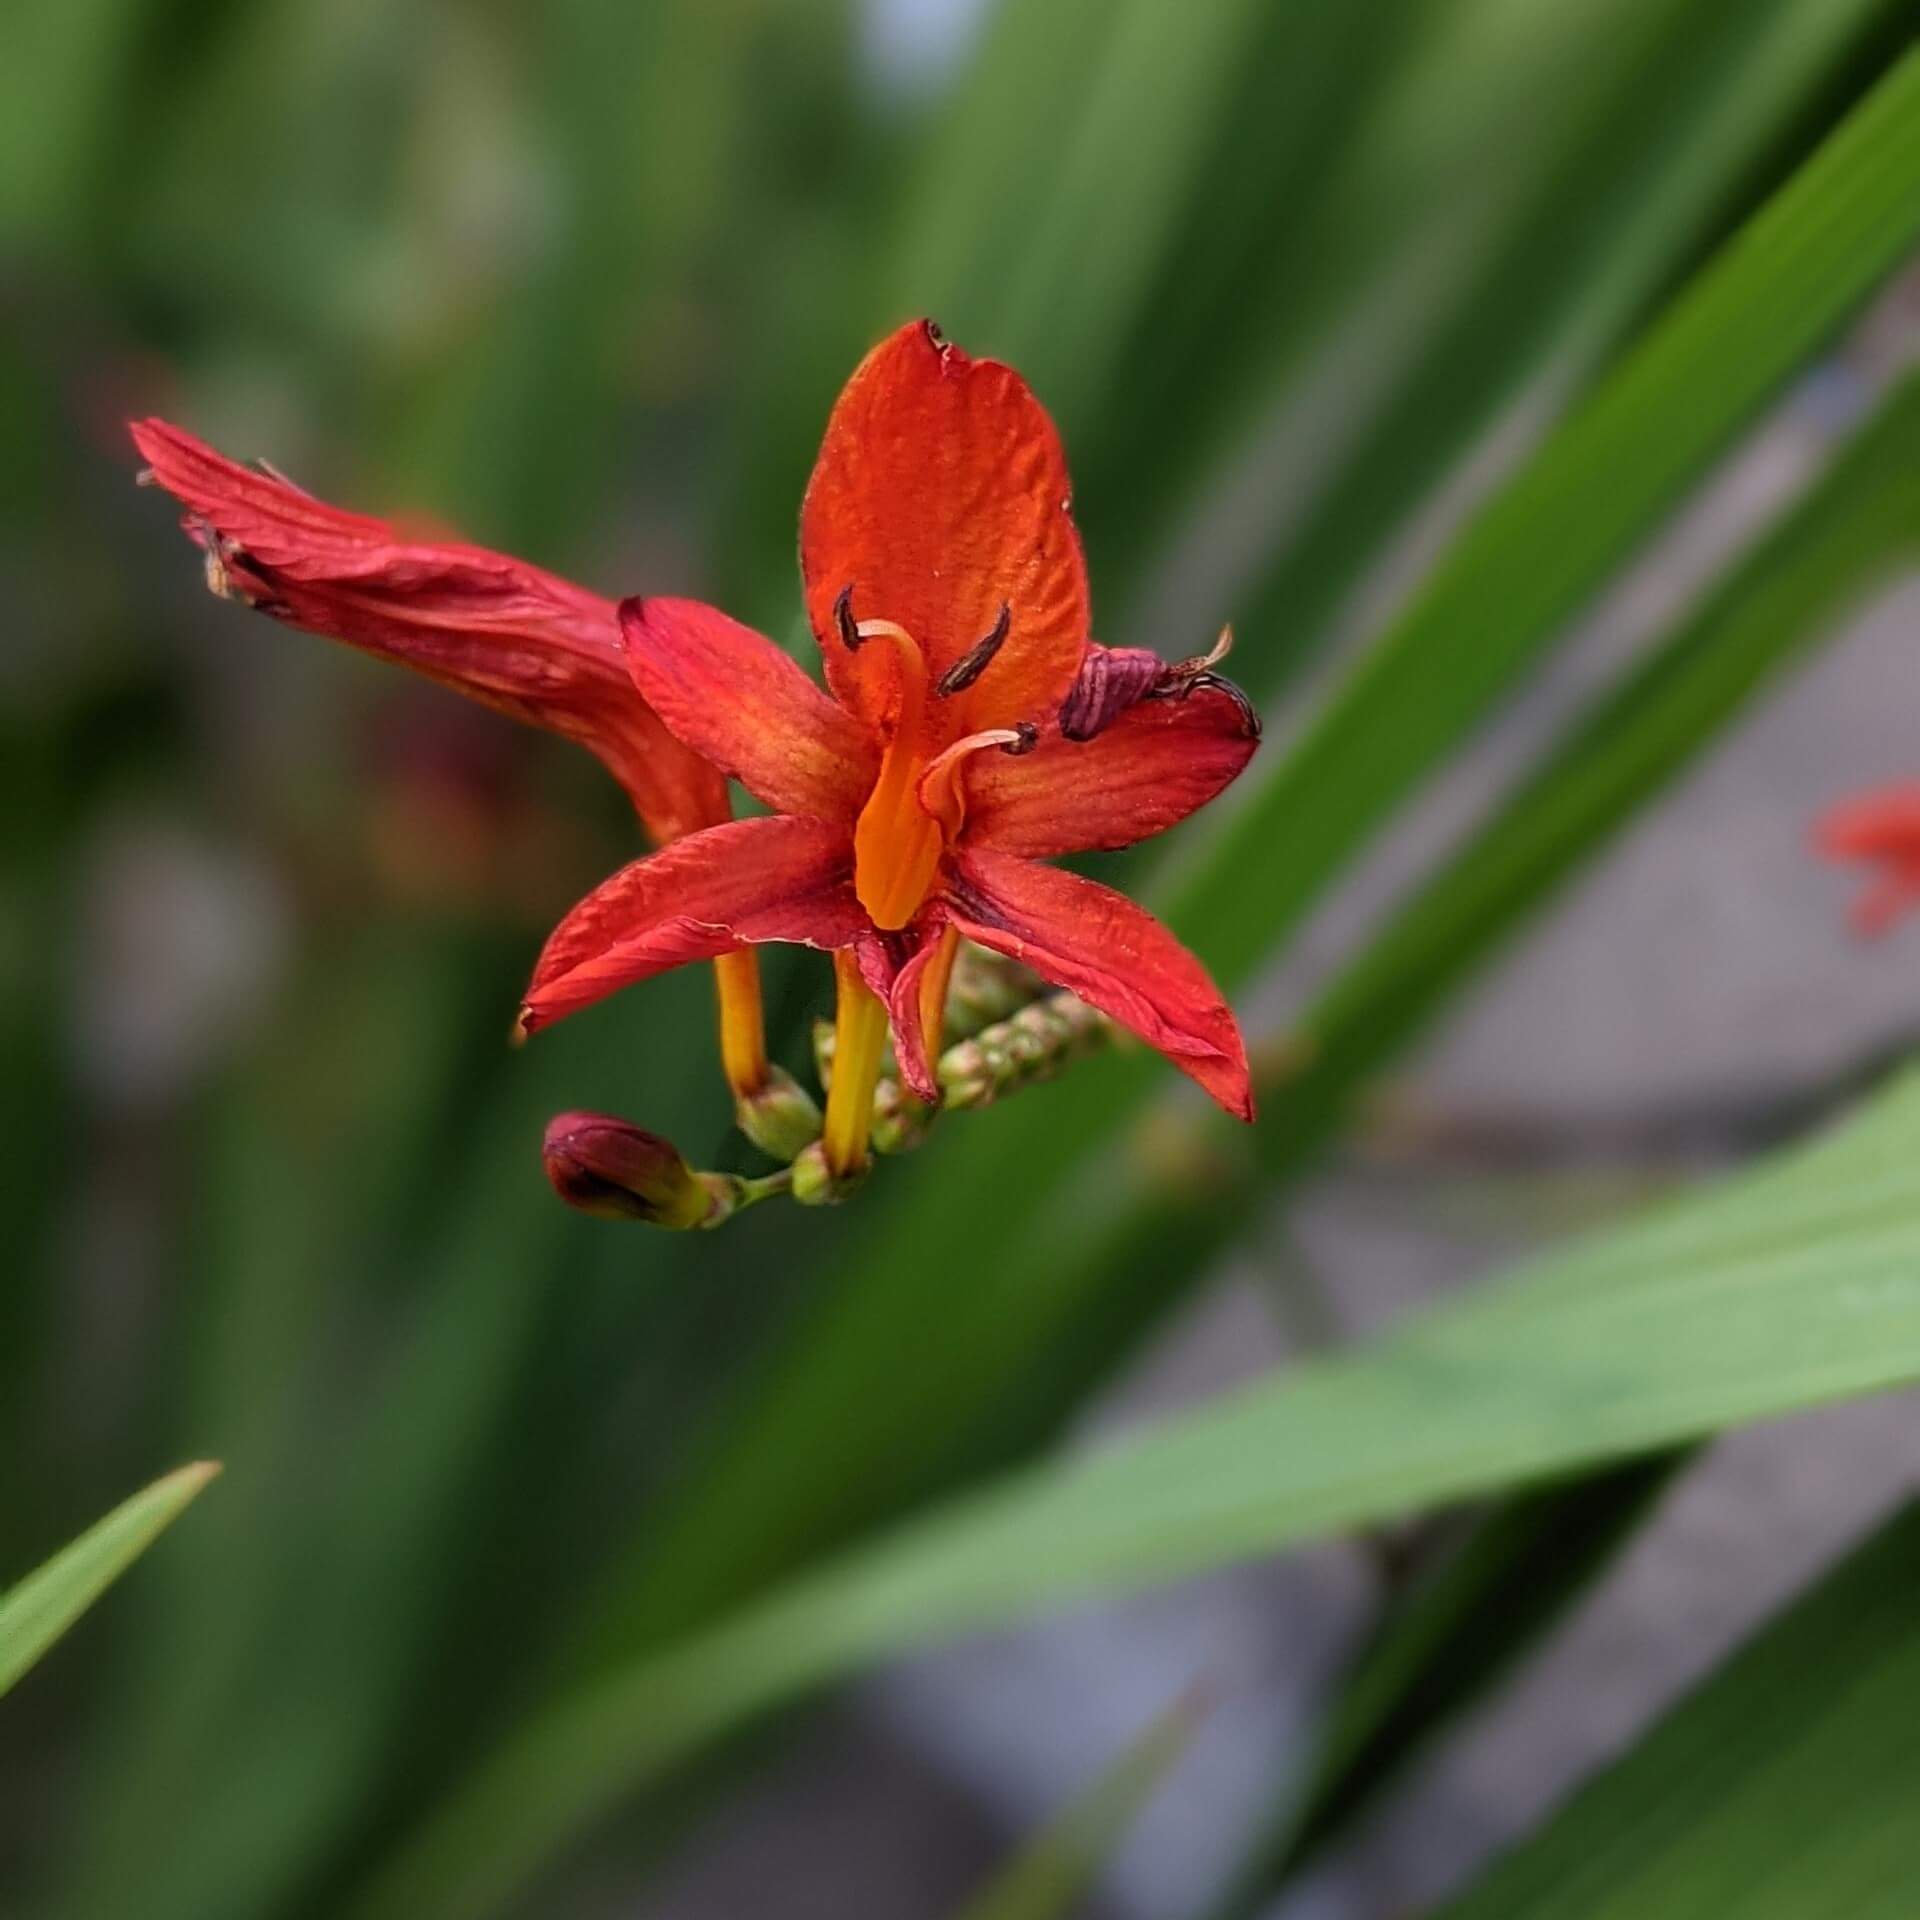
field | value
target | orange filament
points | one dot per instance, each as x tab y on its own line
939	791
896	846
933	993
743	1033
859	1040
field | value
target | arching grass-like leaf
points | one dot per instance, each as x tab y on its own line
1052	1873
1780	1789
36	1612
1795	1284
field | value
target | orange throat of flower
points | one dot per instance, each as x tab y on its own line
918	804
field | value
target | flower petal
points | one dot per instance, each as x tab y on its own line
732	696
941	496
1881	828
1114	955
894	966
1894	894
1879	824
775	878
1152	767
522	641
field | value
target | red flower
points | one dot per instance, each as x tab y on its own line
915	799
496	629
504	633
1882	829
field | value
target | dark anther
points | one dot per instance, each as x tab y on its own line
973	663
1029	739
843	619
935	338
1221	684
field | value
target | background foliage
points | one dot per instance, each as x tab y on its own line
1396	333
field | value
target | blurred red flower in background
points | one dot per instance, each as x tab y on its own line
1880	829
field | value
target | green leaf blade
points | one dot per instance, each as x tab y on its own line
1794	1285
1542	547
36	1612
1049	1876
1780	1789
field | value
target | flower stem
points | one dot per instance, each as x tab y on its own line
859	1040
743	1033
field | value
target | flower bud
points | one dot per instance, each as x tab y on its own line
780	1118
815	1184
607	1166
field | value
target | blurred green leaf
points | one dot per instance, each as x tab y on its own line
1780	1789
1546	543
36	1612
1856	528
1416	284
1441	1649
1047	1879
1784	1288
1666	123
1147	82
324	1623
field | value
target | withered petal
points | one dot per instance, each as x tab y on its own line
520	640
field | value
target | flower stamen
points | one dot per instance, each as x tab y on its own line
939	789
860	1039
896	847
975	661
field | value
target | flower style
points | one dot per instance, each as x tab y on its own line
507	634
1880	829
970	729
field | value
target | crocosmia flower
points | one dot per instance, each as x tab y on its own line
1881	830
520	640
969	730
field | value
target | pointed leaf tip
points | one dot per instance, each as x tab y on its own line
36	1612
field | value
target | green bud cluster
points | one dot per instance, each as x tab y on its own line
1005	1031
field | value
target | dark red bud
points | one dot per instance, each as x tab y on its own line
607	1166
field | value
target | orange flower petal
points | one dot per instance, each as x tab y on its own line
1114	955
732	696
941	496
775	878
1153	766
522	641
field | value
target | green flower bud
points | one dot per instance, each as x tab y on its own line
780	1118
